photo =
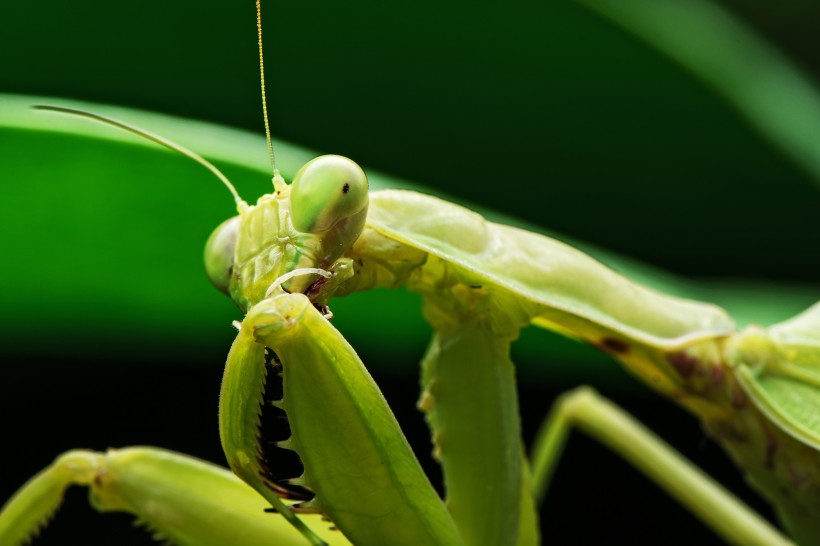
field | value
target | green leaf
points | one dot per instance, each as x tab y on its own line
761	84
109	224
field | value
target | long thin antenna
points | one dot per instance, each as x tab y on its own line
264	93
162	141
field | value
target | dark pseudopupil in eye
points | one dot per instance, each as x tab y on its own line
346	188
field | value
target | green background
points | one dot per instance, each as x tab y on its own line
542	111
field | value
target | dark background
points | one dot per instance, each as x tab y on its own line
542	111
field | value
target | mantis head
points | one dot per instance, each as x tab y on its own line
309	224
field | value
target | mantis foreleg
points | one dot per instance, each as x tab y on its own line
178	497
356	460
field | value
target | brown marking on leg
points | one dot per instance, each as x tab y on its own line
771	444
685	364
613	345
771	449
727	431
738	398
718	374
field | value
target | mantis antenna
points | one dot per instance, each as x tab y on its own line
278	181
162	141
262	82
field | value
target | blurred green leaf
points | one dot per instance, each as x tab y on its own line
110	230
764	86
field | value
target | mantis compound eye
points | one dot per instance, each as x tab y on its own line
327	191
219	254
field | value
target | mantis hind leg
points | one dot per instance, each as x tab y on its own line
179	497
607	423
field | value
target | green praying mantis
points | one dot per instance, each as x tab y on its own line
742	385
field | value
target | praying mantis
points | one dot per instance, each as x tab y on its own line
614	345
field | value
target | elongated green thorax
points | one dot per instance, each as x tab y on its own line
309	224
756	391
